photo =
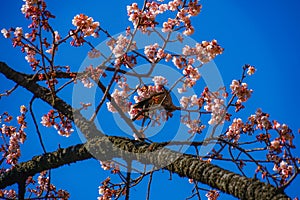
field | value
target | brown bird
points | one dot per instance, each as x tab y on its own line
156	101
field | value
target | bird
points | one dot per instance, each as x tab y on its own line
157	100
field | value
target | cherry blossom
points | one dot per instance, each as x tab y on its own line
106	190
31	57
90	72
5	33
251	70
18	33
45	187
16	137
110	165
173	5
142	19
194	8
284	169
215	105
27	7
86	25
235	129
152	52
94	53
168	25
191	101
56	37
119	46
240	90
204	52
159	81
121	100
11	194
192	73
64	127
212	195
194	125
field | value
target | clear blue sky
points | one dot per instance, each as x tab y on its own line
262	33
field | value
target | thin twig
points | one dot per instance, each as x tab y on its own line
128	180
36	125
149	186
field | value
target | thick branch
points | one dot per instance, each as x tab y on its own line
44	162
185	166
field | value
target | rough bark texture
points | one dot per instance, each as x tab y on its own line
105	148
44	162
117	147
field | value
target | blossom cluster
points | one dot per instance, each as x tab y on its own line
284	170
204	52
120	46
143	19
8	194
215	104
86	25
187	83
36	10
94	53
285	136
17	33
183	16
120	96
147	91
212	195
146	17
277	147
235	129
110	165
91	73
106	191
17	136
64	127
207	101
191	101
212	102
31	57
153	53
159	81
191	73
121	99
44	186
194	125
240	90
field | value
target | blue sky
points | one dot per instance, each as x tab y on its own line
262	33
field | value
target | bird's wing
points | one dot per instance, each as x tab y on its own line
145	103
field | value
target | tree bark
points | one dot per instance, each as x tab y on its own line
185	166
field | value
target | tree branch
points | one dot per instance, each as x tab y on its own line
185	166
